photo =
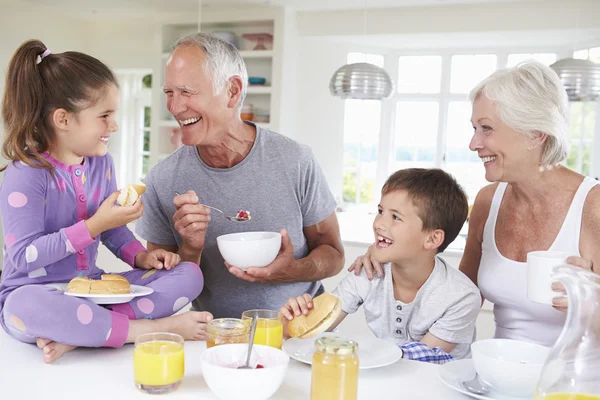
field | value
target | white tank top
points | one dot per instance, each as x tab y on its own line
504	282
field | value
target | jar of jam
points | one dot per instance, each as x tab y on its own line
334	369
247	112
227	330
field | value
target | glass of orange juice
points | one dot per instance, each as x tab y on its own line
158	362
269	327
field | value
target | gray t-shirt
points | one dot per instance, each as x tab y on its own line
279	182
446	305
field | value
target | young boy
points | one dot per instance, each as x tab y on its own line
425	306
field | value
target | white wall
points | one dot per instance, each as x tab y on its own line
18	24
320	116
130	44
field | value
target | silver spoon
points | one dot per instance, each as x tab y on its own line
229	217
250	343
476	386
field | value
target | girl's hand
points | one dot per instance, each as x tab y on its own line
110	215
157	259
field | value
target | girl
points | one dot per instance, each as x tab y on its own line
57	202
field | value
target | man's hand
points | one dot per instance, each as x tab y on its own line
191	220
369	263
280	270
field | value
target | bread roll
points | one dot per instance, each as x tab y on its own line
130	194
326	309
108	284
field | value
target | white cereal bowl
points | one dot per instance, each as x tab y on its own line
510	367
249	249
219	365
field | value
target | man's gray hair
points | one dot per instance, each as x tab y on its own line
223	60
530	98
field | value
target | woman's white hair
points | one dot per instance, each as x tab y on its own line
223	60
531	99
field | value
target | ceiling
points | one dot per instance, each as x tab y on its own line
154	8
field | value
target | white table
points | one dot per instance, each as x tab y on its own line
107	374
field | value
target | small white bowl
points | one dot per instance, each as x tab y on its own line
510	367
219	365
249	249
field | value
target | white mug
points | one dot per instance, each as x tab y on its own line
539	274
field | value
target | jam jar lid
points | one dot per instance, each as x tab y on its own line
336	345
227	327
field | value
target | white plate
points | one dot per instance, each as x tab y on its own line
136	291
372	352
455	372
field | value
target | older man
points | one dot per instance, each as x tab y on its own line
231	164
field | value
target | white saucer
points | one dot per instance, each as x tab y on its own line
455	372
136	291
372	352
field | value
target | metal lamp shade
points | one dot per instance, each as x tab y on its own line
581	78
362	81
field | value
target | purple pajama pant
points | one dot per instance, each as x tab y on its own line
40	311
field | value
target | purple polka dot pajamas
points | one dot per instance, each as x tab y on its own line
47	241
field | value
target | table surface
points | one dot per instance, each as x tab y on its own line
92	374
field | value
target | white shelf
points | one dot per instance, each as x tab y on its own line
168	123
256	53
259	89
243	53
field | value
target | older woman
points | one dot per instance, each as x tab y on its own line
520	133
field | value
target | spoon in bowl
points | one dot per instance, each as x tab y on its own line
250	343
243	216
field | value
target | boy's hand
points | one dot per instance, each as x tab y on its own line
295	307
157	259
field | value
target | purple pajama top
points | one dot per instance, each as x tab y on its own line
45	236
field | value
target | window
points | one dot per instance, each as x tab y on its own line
582	120
132	147
588	54
468	70
461	162
146	132
415	135
419	74
594	54
544	58
427	121
362	119
583	124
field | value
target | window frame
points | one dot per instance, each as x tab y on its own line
385	151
